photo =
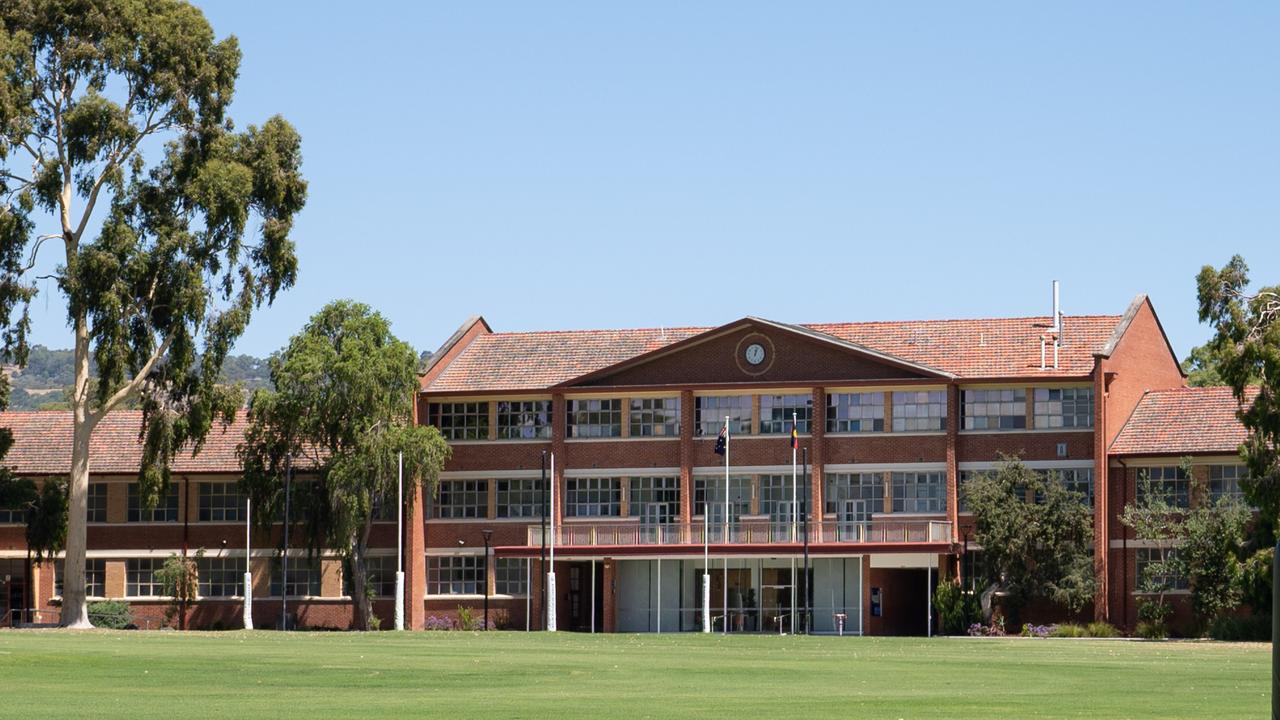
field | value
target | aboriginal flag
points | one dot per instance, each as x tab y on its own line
722	442
795	437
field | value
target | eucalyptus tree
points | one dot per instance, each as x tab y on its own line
172	225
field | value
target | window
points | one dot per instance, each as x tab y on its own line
462	499
139	577
594	418
95	577
920	411
304	578
380	576
1146	557
655	417
461	420
12	516
221	502
524	419
1079	480
511	576
97	502
1224	482
655	500
1063	407
775	498
919	492
1170	482
520	498
855	412
455	575
712	409
710	489
776	411
220	576
962	503
166	509
844	487
592	497
997	409
384	509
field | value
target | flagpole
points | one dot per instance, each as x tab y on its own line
706	561
551	572
399	541
795	508
726	523
808	586
248	572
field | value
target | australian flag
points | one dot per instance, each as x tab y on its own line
722	442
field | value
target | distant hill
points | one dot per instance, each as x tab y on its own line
49	374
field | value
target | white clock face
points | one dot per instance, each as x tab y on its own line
755	353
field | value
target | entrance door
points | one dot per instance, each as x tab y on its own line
852	521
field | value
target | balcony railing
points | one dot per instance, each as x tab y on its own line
749	533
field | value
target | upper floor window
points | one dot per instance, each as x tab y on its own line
166	509
776	412
461	420
854	495
919	492
592	497
220	576
708	497
520	498
1079	480
1224	481
920	411
12	515
1063	407
711	410
994	409
855	412
595	418
655	417
96	509
1170	482
221	502
462	499
524	419
655	500
775	498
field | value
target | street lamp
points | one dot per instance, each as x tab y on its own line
488	535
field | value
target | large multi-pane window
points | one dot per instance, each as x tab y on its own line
709	489
775	498
1063	407
1169	482
511	576
776	412
920	411
655	417
220	576
655	499
95	577
1146	557
380	576
843	488
994	409
1079	480
595	418
455	575
592	497
461	420
96	511
962	501
462	499
524	419
1224	482
12	515
919	492
221	502
166	509
140	579
304	578
711	410
855	412
520	498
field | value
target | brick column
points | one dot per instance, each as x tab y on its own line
559	431
817	457
687	417
1101	497
610	620
415	562
953	474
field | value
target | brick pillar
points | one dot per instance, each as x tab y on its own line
610	620
559	431
1101	496
953	474
687	417
817	458
415	561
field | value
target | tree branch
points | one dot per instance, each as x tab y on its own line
134	383
115	160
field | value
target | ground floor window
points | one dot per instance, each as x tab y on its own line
380	576
95	575
139	577
303	580
220	576
1145	577
455	575
511	576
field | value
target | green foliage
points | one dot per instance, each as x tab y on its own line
341	411
110	614
1102	630
1255	579
180	581
1069	630
1201	367
1033	550
1246	628
1149	630
957	610
467	619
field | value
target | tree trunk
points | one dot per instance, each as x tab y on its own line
75	608
360	577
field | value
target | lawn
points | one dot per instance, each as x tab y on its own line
507	675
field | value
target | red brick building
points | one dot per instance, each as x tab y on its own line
894	417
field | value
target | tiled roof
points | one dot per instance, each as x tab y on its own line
1192	421
42	444
1001	347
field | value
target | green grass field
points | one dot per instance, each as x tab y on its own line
509	675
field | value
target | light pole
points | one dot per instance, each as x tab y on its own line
488	535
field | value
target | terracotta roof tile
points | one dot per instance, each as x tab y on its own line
1191	421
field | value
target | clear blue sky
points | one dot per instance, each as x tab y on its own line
576	165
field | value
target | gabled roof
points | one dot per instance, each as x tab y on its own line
987	348
1117	334
42	444
1182	421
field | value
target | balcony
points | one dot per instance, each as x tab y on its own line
872	532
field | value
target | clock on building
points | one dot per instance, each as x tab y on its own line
754	354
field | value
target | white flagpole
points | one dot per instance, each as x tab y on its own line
551	571
248	573
795	509
726	523
706	560
399	541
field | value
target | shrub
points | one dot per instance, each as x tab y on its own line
436	622
1102	630
501	620
1069	630
1250	628
467	619
957	610
1151	630
1039	631
110	614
